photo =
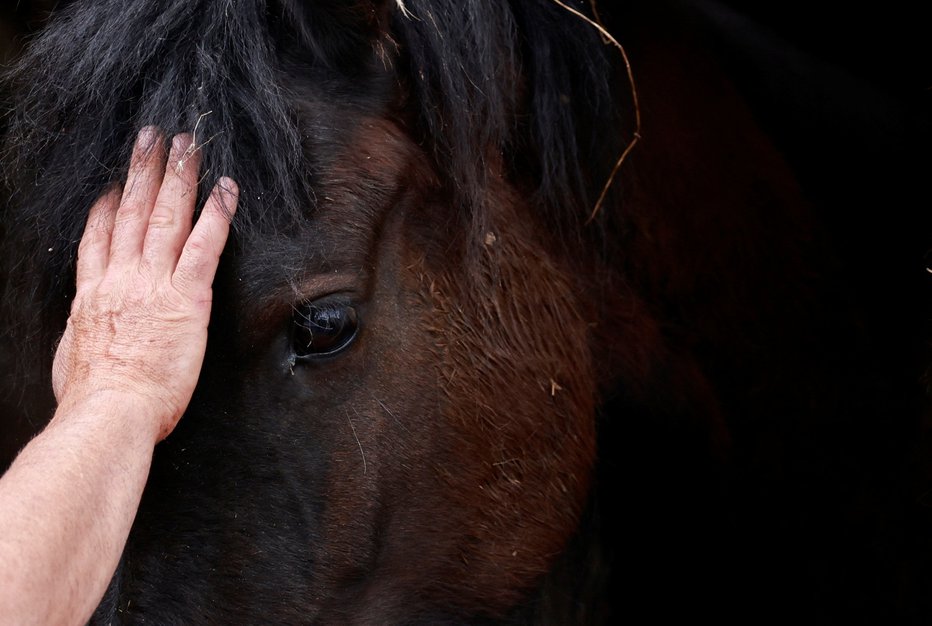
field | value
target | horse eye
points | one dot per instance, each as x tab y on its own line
323	329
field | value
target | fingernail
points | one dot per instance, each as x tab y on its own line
181	143
147	137
228	192
228	187
182	149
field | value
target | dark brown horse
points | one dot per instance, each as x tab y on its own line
441	387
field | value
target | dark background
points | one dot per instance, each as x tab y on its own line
822	512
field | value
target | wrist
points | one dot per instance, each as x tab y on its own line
139	416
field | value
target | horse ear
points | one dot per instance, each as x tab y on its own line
337	33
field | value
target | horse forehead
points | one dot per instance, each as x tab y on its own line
357	181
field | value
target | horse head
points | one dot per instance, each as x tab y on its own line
396	418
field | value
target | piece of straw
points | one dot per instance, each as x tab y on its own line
608	38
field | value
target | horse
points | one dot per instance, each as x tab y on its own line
509	311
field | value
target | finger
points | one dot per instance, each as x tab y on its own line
142	187
170	221
201	253
94	249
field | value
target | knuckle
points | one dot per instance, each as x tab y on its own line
161	218
128	212
197	245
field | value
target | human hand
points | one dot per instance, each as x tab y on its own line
138	325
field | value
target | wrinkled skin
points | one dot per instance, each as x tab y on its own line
138	323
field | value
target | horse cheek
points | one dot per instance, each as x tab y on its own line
517	397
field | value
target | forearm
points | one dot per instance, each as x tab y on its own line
66	507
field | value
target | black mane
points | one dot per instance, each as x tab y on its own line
526	78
